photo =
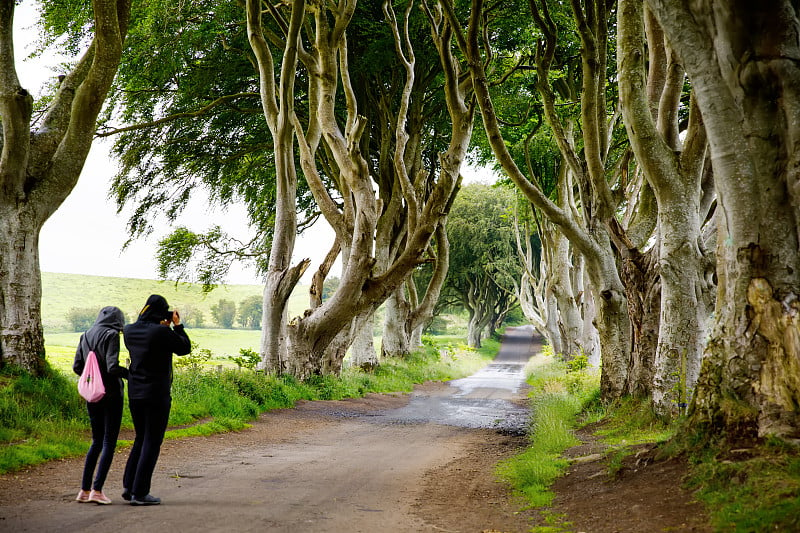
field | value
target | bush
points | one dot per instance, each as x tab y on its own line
224	313
247	358
81	319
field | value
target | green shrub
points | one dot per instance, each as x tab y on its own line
247	358
81	319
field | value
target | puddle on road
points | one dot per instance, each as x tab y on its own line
503	379
482	400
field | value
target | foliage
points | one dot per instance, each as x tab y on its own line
81	319
483	261
247	358
329	287
192	316
194	360
250	311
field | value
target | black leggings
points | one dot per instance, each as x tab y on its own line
150	422
105	417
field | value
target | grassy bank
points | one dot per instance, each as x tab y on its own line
752	488
44	418
559	393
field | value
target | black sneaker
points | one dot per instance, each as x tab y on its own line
146	500
126	495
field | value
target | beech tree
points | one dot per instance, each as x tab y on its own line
741	58
43	153
592	234
674	169
355	221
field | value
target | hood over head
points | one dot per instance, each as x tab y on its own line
155	309
109	321
110	317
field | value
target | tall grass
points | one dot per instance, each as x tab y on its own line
558	394
40	418
44	418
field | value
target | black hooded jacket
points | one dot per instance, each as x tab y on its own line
151	346
103	338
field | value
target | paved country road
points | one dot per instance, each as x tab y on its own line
414	462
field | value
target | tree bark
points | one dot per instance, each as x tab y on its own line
676	180
742	59
39	167
278	107
612	320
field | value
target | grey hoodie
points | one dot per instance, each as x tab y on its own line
103	338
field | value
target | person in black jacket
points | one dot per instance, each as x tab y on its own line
151	342
105	415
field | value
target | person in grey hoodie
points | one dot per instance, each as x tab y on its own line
105	415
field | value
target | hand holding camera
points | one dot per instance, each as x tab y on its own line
173	318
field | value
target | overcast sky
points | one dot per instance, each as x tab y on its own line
85	235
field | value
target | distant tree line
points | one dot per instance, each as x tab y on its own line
224	313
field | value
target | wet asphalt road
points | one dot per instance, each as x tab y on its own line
492	398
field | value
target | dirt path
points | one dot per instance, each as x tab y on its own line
418	462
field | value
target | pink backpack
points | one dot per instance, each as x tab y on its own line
90	384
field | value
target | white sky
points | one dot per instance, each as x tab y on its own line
85	235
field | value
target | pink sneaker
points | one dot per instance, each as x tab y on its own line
83	496
99	497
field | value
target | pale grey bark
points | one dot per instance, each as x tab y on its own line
742	60
675	177
39	167
362	351
278	108
592	242
361	286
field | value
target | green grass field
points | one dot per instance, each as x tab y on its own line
60	347
62	292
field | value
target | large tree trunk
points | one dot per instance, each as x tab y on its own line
21	338
396	341
278	107
559	284
612	323
362	288
362	352
40	166
676	181
742	61
642	288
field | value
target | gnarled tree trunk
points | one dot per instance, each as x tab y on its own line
742	61
39	167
